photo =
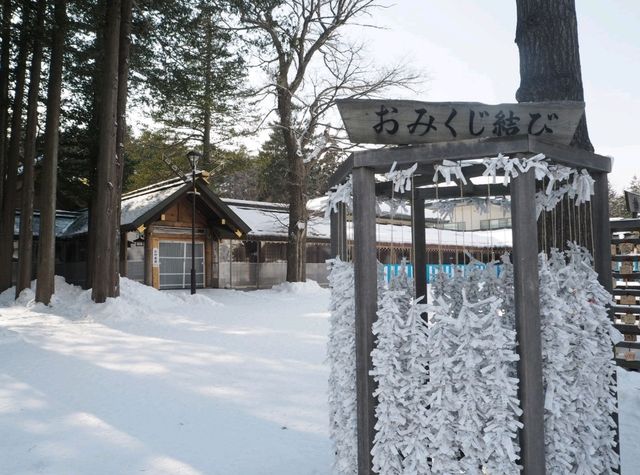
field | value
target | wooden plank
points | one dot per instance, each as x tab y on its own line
634	364
383	121
625	257
625	240
381	159
624	291
628	344
628	329
342	172
634	276
527	303
632	224
601	231
419	247
569	156
366	305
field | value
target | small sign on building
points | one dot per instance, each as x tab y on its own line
156	257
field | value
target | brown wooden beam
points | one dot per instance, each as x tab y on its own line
366	305
528	327
419	248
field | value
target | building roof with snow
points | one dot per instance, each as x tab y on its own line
269	221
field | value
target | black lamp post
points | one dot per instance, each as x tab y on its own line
193	157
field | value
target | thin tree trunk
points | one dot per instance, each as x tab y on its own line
25	243
5	64
547	38
105	214
208	59
9	196
45	286
121	113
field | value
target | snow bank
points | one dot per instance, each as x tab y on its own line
299	288
136	301
629	420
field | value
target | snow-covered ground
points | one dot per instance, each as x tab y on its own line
225	382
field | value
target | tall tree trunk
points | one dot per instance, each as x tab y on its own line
47	240
121	113
9	197
5	64
547	38
208	89
25	243
105	214
296	181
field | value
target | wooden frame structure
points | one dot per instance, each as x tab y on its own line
364	165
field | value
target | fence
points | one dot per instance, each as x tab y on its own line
434	269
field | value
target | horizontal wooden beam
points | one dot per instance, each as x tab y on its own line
342	172
625	225
569	156
382	159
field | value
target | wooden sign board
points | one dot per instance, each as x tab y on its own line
633	202
413	122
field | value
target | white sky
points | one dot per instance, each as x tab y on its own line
466	49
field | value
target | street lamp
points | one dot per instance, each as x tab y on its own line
193	157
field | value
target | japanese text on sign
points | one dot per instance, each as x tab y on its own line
374	121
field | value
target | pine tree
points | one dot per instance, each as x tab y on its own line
341	350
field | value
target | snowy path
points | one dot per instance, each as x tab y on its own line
237	387
229	383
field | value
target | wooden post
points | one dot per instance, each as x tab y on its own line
602	256
123	254
419	248
366	305
339	232
601	230
148	258
527	309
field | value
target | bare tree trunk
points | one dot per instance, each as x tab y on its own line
25	243
45	286
105	214
296	181
121	113
5	64
547	38
9	196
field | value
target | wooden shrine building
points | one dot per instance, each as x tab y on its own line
155	235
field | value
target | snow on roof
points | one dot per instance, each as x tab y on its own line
274	224
133	205
62	222
270	220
